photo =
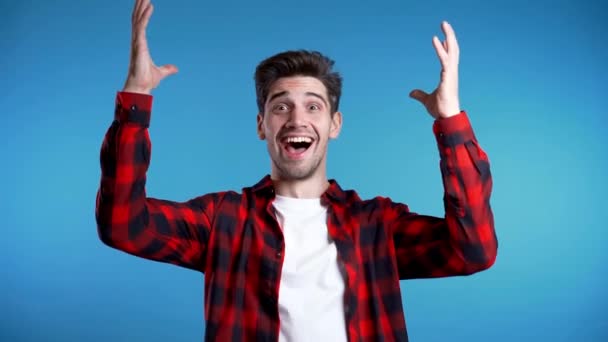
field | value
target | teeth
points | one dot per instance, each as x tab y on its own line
299	140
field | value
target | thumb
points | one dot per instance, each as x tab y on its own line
419	95
167	70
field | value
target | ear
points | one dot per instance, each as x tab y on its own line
260	126
336	125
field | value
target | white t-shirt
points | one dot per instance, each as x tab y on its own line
311	292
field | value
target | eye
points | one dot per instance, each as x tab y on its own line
280	108
314	107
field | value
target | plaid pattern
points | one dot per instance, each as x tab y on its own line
236	241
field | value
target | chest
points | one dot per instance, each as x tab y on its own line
266	241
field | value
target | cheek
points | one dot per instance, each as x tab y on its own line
273	128
327	131
270	133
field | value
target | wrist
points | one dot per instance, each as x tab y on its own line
449	110
449	114
129	87
136	90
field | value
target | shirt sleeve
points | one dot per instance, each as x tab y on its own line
127	219
464	241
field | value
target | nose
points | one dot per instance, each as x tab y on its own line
297	118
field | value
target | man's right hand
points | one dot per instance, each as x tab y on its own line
143	74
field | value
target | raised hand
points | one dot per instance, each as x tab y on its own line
443	102
143	74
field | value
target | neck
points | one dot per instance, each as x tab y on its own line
312	187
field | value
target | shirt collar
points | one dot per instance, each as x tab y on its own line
334	192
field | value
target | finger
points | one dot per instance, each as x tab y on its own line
143	4
139	25
419	95
450	38
440	50
146	15
143	22
136	5
167	70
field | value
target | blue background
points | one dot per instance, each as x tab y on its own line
533	79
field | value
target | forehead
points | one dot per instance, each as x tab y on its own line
298	86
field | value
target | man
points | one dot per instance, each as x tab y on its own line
295	257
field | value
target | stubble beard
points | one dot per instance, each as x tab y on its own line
291	171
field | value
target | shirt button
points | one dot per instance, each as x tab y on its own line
134	108
279	255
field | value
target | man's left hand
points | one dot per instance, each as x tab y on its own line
443	102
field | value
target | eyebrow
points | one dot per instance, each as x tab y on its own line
308	93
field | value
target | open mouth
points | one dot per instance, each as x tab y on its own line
296	146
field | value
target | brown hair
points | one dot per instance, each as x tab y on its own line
297	63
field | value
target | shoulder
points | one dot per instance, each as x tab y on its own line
377	205
213	201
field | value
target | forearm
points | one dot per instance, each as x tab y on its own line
126	218
125	155
467	182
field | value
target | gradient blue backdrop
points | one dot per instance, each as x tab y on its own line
533	79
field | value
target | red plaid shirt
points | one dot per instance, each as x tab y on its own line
234	238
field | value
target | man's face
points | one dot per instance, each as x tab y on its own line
297	125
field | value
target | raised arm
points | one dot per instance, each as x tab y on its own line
464	241
127	219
